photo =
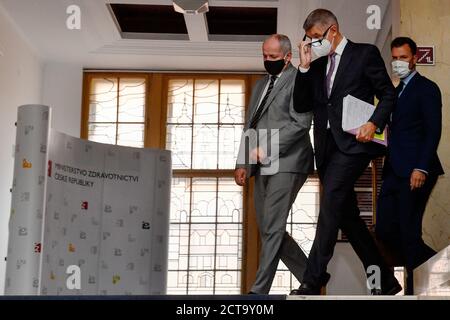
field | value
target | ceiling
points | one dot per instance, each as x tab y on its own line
99	44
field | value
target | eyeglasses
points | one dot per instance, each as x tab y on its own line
317	42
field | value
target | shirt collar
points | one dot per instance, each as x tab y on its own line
277	76
408	78
340	48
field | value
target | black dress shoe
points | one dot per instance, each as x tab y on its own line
309	290
306	290
387	290
375	292
251	292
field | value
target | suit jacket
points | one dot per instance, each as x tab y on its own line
362	74
416	128
295	152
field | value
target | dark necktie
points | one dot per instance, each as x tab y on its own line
258	113
399	88
330	73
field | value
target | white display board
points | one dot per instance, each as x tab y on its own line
27	200
106	211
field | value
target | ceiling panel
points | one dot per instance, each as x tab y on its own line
100	43
241	21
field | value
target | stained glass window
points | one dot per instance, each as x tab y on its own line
117	111
205	246
204	122
205	118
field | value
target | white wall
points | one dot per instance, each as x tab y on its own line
62	91
347	272
20	83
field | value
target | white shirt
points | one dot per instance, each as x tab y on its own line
337	59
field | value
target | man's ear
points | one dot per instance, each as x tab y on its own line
334	29
289	57
414	60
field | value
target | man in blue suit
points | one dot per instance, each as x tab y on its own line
412	165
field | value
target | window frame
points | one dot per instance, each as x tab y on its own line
87	80
250	235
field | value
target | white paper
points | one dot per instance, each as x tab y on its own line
355	113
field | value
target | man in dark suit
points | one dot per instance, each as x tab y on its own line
412	165
331	68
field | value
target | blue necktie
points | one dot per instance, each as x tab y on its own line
399	88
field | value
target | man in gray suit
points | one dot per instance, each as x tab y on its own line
281	166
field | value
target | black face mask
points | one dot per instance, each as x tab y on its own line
274	67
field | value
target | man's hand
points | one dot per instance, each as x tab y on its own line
417	179
366	132
305	54
258	155
240	176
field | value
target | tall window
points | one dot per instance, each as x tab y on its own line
117	110
205	118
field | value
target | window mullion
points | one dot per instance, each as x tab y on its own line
192	122
216	237
117	110
189	234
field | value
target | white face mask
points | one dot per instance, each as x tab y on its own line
400	69
321	50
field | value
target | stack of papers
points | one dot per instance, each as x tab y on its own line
355	113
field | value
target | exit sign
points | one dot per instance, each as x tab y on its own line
425	56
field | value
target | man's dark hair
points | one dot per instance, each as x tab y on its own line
321	17
401	41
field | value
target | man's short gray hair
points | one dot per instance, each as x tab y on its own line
321	17
285	43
